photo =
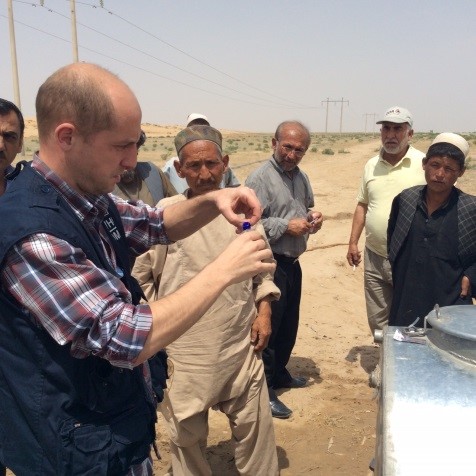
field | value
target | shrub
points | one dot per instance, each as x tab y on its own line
328	152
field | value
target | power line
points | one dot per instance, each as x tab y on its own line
199	60
296	105
150	72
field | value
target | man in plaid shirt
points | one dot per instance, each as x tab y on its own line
73	335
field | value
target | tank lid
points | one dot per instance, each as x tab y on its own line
454	331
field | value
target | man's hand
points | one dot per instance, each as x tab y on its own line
315	220
298	227
465	287
235	201
261	328
358	223
354	256
237	205
245	257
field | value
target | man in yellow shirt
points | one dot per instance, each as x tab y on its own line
396	167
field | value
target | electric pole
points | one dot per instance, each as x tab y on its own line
373	123
13	53
342	101
327	111
74	34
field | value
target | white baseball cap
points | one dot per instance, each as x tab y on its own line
194	116
397	115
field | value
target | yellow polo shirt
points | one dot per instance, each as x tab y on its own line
381	182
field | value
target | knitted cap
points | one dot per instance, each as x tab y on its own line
198	132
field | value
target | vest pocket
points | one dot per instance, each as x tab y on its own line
87	450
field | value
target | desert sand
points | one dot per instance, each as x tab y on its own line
332	429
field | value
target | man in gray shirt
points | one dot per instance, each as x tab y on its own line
287	198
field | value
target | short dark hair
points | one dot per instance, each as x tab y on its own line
445	149
6	107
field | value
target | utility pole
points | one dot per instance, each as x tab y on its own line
373	123
342	112
327	111
13	54
327	101
74	33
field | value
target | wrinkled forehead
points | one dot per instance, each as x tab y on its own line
395	125
10	122
294	136
204	149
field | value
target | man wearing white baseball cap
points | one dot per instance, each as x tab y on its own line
396	167
431	233
197	119
180	184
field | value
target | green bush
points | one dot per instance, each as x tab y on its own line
328	152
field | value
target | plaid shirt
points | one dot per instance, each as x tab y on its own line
73	299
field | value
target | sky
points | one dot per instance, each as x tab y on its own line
251	64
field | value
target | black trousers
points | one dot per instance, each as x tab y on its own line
284	320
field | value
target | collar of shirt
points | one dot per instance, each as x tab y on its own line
452	199
8	170
87	207
406	158
5	173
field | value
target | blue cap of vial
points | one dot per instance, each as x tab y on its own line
246	226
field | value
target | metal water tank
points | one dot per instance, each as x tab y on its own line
427	397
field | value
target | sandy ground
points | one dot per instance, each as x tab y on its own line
332	429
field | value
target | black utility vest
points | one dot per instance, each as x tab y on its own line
61	415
